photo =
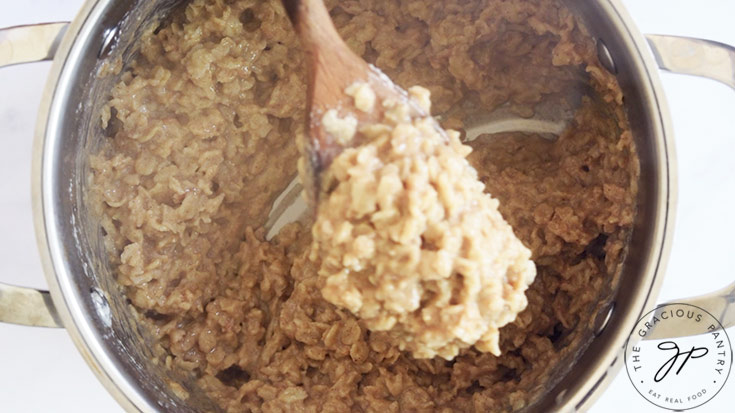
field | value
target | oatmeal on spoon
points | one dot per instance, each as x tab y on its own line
405	236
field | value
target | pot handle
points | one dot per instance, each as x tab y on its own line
698	57
24	44
713	60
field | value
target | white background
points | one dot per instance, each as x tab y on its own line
41	371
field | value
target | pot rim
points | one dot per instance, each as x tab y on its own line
90	344
608	364
45	218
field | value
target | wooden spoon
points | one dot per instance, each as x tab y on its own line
331	68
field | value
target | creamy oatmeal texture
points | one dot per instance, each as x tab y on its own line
200	134
407	239
363	95
343	129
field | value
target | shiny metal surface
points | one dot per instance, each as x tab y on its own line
102	325
650	241
721	304
25	44
33	43
697	57
716	61
27	306
90	305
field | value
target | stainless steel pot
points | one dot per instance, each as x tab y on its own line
84	298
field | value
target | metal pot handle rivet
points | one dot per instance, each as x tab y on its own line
24	44
605	58
603	318
713	60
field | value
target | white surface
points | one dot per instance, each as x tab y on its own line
41	371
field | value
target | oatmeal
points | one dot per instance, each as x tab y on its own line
343	129
201	132
407	239
363	95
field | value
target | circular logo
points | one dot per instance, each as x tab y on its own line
678	356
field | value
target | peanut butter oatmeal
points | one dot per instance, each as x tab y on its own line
202	129
407	239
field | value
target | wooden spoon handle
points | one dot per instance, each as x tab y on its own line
331	68
332	65
318	35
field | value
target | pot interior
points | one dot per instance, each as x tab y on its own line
110	32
